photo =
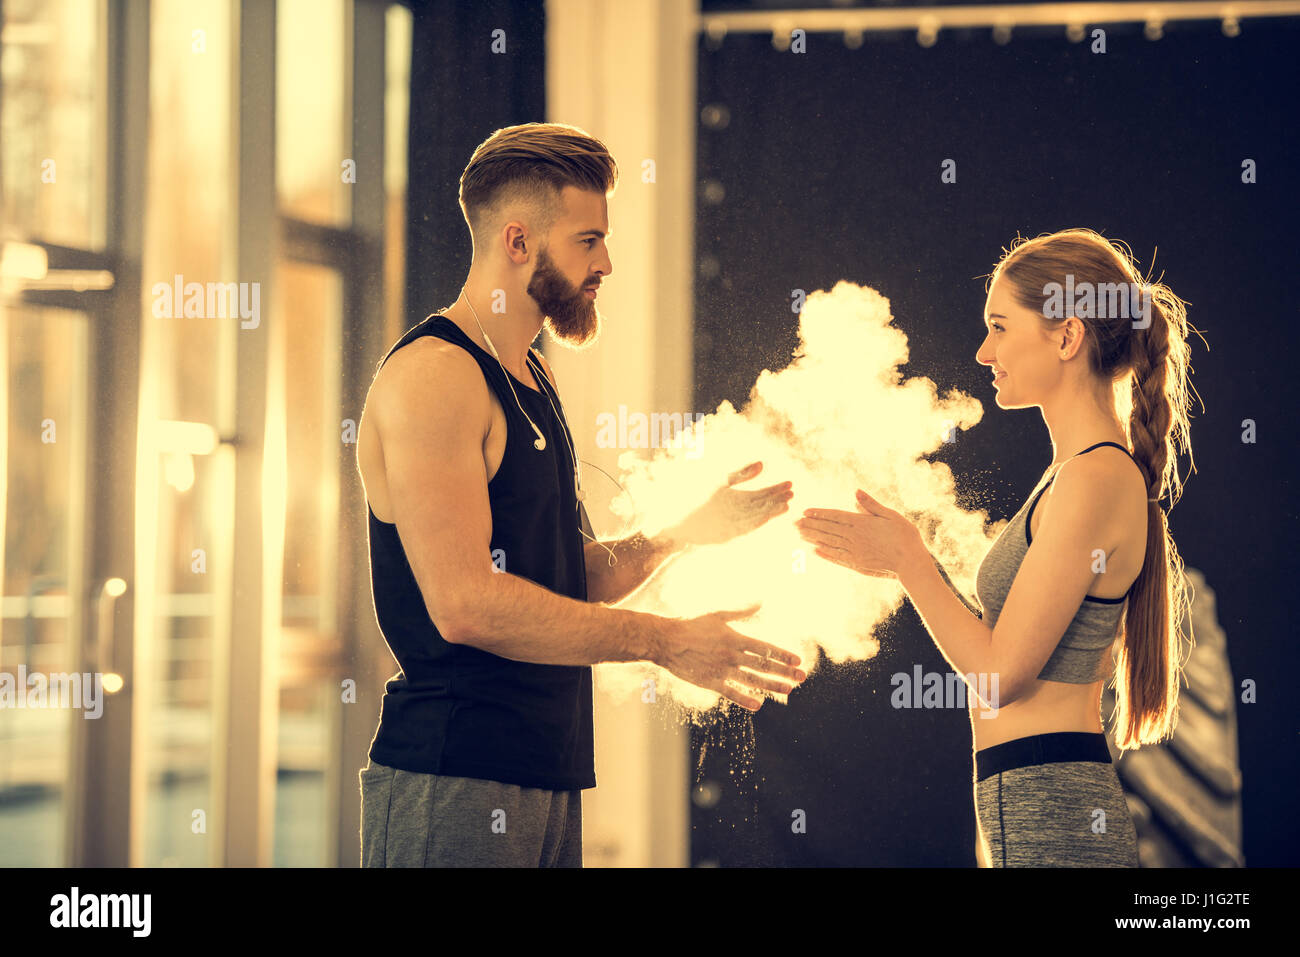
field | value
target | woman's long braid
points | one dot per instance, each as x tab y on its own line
1158	426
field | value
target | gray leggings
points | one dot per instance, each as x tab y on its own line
1051	800
410	819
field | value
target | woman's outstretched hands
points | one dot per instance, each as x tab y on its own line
730	512
874	540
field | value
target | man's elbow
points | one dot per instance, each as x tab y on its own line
459	609
452	619
451	630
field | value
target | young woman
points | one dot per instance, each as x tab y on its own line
1087	559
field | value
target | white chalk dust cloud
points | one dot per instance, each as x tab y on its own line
839	417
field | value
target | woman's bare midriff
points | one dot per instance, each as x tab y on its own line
1048	706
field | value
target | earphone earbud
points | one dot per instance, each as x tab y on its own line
540	444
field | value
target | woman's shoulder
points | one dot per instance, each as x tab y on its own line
1107	476
1114	464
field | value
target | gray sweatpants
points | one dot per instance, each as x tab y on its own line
410	819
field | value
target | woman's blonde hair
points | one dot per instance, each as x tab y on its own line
1148	367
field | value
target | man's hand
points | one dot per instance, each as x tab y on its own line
708	653
730	512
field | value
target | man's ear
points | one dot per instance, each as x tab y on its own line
516	242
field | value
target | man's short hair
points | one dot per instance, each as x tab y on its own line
528	165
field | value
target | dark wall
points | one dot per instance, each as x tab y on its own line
461	93
829	164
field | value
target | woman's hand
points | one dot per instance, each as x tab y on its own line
730	512
874	540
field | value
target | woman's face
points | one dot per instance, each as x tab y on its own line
1017	350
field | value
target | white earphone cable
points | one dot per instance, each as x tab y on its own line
540	443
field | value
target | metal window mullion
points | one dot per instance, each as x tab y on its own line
361	339
107	781
246	703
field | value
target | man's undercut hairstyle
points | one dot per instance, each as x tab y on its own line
523	168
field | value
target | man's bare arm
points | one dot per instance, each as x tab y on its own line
432	416
635	559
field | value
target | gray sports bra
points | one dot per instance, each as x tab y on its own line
1083	655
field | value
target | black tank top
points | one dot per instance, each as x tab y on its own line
457	710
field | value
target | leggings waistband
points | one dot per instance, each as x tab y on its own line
1041	749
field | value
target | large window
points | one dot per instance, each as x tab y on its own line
148	202
52	118
52	121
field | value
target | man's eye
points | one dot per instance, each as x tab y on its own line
590	241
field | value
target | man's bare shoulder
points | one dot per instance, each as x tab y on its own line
428	374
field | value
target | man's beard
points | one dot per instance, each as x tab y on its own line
570	317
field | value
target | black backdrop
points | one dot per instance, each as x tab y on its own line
461	93
829	165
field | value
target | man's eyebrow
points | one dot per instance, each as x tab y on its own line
593	232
